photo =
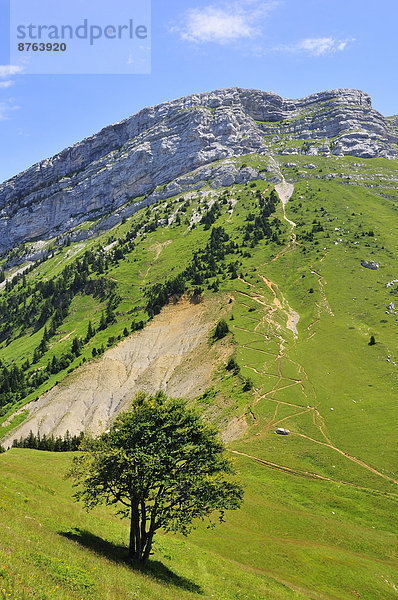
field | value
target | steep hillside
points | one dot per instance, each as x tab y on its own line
296	538
289	236
170	354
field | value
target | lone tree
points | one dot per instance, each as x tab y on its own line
372	341
161	466
221	330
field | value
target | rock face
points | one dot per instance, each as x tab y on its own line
168	142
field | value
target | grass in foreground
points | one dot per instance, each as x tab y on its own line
293	538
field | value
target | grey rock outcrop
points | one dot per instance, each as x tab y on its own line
161	145
370	264
219	175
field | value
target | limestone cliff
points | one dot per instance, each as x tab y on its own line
160	144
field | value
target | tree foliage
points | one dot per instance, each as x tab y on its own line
67	443
233	366
161	466
221	330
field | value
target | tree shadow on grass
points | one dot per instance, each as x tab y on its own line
119	554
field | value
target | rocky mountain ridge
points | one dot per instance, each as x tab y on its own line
138	160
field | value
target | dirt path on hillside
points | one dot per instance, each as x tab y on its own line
323	304
352	458
310	475
280	304
285	191
292	316
282	382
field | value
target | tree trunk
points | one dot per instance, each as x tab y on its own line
132	535
143	524
138	544
149	535
140	540
148	548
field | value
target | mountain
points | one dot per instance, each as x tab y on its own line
275	217
173	147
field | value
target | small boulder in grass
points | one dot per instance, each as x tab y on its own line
370	264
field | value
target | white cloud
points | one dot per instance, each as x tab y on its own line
215	25
224	23
6	108
318	46
23	132
8	70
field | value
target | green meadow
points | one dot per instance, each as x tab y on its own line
294	537
319	515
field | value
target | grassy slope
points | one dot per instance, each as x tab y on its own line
294	538
298	536
50	548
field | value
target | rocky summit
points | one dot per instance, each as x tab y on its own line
175	146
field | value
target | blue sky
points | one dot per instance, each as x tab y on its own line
292	47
